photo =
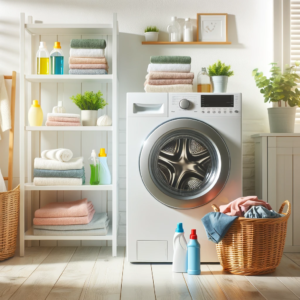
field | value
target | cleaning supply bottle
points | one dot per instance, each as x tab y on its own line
57	60
95	169
59	109
203	82
188	32
35	114
174	30
193	255
105	177
42	57
179	251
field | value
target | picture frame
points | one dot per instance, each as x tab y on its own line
212	27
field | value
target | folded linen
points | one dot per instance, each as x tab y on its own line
74	163
176	88
57	173
170	59
65	115
62	119
86	52
86	60
260	212
87	71
60	154
91	232
168	81
184	68
54	123
88	43
89	66
46	181
169	75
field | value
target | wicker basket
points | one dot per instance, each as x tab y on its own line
253	246
9	221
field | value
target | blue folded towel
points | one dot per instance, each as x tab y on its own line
216	225
260	212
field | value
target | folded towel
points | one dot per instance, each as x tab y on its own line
184	68
89	66
60	154
92	232
168	81
86	60
169	75
99	221
62	119
65	115
5	115
177	88
57	173
260	212
74	163
170	59
53	123
87	71
88	43
46	181
86	52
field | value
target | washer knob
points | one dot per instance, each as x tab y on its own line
184	103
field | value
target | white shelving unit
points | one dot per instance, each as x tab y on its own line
26	138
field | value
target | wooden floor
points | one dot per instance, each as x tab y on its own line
92	273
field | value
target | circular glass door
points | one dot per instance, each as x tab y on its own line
184	163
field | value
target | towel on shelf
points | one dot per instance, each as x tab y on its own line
178	88
5	113
91	232
60	154
62	119
57	173
86	52
182	68
64	115
169	75
86	60
46	181
53	123
74	163
168	81
170	59
260	212
89	66
88	43
87	71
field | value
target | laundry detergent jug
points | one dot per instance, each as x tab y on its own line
179	251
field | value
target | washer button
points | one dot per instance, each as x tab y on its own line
203	111
236	111
231	112
208	112
219	112
214	112
184	103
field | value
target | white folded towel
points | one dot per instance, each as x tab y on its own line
5	114
86	52
72	164
183	68
46	181
58	154
175	88
65	115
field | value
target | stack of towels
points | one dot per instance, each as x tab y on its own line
169	74
87	57
69	219
57	167
63	119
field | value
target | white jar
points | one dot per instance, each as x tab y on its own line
174	30
188	33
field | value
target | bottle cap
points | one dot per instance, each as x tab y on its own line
43	45
35	103
59	103
94	154
179	228
186	19
57	45
173	18
203	69
193	235
102	152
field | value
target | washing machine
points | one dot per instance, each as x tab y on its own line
184	153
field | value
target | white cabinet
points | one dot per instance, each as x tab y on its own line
277	177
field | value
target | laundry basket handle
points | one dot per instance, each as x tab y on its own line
215	208
286	202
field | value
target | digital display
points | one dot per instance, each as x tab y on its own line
217	100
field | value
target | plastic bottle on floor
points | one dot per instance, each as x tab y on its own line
57	60
95	169
42	57
105	177
193	255
35	114
179	251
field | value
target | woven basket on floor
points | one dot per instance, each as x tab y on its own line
9	222
253	246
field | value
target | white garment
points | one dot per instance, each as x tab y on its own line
60	154
2	184
86	52
5	117
46	181
183	68
173	88
72	164
65	115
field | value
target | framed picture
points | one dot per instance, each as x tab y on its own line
212	27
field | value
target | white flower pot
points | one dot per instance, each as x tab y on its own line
89	117
282	119
219	84
151	36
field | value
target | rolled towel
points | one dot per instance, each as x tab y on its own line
65	115
87	71
74	163
168	81
169	75
56	181
183	68
86	60
80	173
177	88
170	59
52	123
88	43
86	52
60	154
89	66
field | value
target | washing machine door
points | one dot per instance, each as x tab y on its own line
184	163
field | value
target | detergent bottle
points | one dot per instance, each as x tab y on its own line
42	57
105	177
57	60
35	114
95	169
193	255
179	251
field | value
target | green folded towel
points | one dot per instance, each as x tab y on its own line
88	43
170	59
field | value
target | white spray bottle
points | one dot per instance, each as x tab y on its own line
179	251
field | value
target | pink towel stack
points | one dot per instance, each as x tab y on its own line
65	213
63	119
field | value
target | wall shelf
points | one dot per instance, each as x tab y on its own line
85	187
186	43
68	78
69	128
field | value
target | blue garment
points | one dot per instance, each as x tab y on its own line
216	225
260	212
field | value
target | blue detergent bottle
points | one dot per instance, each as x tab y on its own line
57	60
105	177
193	255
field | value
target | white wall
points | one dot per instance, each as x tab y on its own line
250	31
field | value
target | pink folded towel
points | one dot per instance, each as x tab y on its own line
62	119
241	205
86	60
88	66
168	81
170	75
54	123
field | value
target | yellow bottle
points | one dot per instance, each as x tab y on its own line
42	57
35	114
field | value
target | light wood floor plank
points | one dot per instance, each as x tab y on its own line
295	257
71	282
169	285
204	286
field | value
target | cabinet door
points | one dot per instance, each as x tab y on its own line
296	200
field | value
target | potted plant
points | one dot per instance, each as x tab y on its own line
89	103
151	34
280	87
219	74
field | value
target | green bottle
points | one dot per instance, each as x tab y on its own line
95	168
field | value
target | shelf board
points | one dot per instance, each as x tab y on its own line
69	128
29	236
68	78
31	187
185	43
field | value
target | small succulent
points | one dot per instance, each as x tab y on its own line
89	101
151	29
220	69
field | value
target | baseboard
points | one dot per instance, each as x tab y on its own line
291	249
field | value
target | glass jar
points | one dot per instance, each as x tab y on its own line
203	82
174	30
188	34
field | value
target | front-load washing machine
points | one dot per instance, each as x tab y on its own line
184	153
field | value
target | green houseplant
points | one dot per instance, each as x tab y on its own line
151	34
219	73
280	88
89	103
